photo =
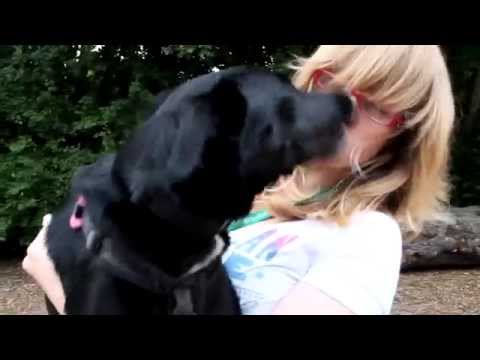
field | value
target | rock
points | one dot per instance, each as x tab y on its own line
452	243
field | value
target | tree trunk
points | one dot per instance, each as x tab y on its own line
452	244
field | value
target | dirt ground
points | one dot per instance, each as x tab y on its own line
19	295
448	292
431	293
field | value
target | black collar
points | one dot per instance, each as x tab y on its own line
137	271
155	281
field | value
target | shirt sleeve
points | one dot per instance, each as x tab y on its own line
362	266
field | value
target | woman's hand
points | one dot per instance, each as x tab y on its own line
38	264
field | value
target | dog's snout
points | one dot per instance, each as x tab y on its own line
331	109
345	106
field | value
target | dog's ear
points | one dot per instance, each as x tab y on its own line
158	101
229	104
162	96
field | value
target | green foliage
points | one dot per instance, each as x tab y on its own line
59	108
464	66
63	106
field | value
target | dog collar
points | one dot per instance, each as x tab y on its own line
145	276
149	277
153	280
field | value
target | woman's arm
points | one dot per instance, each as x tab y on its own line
306	299
38	265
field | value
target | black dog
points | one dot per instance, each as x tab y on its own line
143	230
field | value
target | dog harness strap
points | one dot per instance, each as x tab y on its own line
147	276
183	301
182	294
117	269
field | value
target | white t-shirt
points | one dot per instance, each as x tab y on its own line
357	265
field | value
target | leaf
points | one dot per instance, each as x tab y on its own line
16	189
3	229
26	204
19	145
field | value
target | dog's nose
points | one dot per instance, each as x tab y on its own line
345	106
327	109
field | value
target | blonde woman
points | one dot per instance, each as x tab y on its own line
327	239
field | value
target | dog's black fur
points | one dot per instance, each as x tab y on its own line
156	205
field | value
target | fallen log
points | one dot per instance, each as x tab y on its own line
447	244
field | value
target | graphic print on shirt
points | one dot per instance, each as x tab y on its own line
251	264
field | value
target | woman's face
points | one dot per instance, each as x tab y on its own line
370	130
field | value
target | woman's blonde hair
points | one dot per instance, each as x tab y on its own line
409	177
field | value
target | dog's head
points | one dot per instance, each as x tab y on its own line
219	139
211	146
